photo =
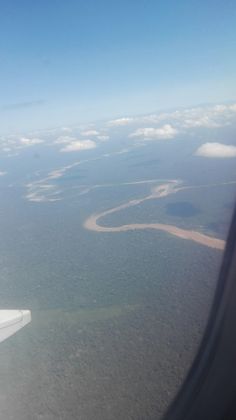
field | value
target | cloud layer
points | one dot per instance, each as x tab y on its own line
159	126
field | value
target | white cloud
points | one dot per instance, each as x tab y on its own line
25	141
103	137
211	116
90	133
78	145
220	108
2	173
203	121
151	133
216	150
64	140
120	122
66	129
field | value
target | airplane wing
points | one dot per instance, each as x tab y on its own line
12	321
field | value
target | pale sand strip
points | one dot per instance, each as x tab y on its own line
92	222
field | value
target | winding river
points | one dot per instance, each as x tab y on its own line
92	223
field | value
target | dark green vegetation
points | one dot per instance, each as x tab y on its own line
122	349
117	318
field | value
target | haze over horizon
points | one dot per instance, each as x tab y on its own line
74	62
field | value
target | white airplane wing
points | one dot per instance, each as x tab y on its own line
13	320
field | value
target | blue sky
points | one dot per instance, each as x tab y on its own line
65	62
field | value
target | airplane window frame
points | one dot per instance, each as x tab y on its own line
209	390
